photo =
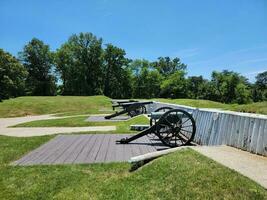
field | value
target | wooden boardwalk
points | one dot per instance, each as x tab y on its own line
89	148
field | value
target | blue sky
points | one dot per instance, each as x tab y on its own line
207	35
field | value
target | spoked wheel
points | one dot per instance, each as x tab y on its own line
176	128
138	111
162	109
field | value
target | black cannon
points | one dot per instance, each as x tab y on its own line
118	102
131	108
174	127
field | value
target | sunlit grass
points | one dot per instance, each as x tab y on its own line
66	105
259	107
182	175
122	126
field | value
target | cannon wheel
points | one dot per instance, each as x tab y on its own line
176	128
138	111
162	109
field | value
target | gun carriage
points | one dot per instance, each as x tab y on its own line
130	108
174	127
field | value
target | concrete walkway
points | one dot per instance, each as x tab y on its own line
250	165
32	131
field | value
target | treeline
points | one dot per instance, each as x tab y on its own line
84	66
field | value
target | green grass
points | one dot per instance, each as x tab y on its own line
77	105
122	126
67	105
182	175
259	107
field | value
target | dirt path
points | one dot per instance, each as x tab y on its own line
251	165
28	131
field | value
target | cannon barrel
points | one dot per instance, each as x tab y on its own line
131	108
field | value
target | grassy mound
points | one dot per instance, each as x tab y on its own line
69	105
259	107
76	105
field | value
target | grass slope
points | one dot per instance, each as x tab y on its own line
76	105
69	105
122	126
259	107
182	175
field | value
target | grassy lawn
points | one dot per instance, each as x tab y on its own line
182	175
69	105
122	126
260	107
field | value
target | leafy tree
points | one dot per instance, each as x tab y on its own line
197	87
230	87
174	86
146	79
117	77
167	66
137	67
152	83
79	63
147	83
242	93
12	76
260	87
38	60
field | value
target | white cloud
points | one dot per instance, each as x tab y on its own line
185	53
254	72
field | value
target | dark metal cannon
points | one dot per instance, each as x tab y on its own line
174	127
131	108
118	102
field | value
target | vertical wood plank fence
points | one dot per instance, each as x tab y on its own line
245	131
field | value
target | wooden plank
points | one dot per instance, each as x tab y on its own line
260	139
93	153
119	148
46	153
87	149
142	143
110	156
101	155
37	151
53	153
77	150
67	150
154	144
127	153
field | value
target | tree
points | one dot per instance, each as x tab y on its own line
260	87
12	76
137	67
38	60
65	69
167	66
147	83
197	87
230	87
117	77
79	63
174	86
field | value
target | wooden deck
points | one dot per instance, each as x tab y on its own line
90	148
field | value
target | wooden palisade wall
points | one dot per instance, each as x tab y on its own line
216	127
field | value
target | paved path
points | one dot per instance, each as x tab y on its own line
32	131
89	148
248	164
